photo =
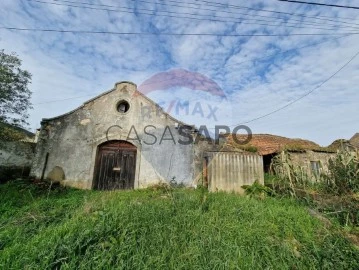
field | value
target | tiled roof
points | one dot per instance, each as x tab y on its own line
268	144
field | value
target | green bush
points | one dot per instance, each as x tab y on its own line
343	173
257	190
289	177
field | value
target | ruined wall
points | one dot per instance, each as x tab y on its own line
303	159
15	159
71	141
229	171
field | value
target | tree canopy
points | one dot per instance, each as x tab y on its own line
14	92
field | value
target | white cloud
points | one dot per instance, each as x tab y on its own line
72	65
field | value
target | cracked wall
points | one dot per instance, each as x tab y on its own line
71	140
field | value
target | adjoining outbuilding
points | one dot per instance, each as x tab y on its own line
17	150
311	157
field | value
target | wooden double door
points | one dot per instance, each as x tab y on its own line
115	166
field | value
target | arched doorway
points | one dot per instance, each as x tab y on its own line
115	166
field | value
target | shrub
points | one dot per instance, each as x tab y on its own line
257	190
343	173
250	148
289	177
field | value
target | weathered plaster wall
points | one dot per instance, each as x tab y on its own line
303	159
16	153
15	158
72	140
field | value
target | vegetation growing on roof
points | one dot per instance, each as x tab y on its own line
248	148
300	148
268	144
265	144
13	133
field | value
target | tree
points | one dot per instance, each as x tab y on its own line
14	92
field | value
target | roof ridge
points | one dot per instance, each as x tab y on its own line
110	91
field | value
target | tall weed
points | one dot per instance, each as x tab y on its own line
289	176
343	173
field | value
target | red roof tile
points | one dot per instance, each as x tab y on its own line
268	144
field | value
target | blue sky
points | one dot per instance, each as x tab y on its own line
256	73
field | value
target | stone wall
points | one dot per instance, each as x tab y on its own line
71	141
15	159
304	159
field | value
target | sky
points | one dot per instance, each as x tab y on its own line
261	76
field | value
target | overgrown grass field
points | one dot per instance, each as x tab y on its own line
162	229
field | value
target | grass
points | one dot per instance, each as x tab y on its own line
42	228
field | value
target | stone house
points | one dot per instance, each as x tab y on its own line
122	140
119	139
313	162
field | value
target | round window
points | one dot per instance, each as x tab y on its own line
123	106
